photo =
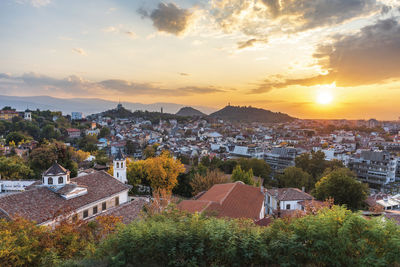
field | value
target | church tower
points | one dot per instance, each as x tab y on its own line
120	167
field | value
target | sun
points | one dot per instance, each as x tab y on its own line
324	97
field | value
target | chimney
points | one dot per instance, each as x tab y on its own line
303	189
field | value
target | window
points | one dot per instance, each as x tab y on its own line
269	199
117	174
60	180
50	180
85	213
95	210
116	201
288	206
104	206
117	164
122	164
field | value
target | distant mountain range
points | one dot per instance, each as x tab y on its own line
250	114
190	112
90	106
85	105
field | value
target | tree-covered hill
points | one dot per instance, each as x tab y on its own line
250	114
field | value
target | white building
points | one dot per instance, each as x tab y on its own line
56	196
284	200
120	167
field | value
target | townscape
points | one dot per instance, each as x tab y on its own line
57	167
221	133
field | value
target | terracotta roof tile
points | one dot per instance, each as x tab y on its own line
40	204
233	200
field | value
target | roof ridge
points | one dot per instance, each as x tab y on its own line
227	194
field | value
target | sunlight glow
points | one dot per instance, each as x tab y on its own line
324	94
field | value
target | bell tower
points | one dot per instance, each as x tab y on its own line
120	167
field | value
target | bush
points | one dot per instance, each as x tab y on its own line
334	237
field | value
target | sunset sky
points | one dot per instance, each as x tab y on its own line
307	58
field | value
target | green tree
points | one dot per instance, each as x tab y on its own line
295	177
246	177
104	132
342	186
14	168
15	137
201	183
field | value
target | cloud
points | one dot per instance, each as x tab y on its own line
131	34
249	43
73	85
79	51
368	57
35	3
306	14
184	74
120	29
260	18
168	18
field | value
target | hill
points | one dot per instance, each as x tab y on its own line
190	112
84	105
250	114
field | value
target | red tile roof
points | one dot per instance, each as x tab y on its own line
40	204
233	200
127	212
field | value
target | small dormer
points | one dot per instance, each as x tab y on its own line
56	176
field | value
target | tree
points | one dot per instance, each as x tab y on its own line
295	177
49	132
14	168
342	186
202	183
79	156
104	132
162	171
259	167
15	137
150	151
313	163
246	177
136	173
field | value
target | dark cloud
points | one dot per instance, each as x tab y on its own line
369	57
306	14
288	16
76	85
168	18
248	43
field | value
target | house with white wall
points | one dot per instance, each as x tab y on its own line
284	200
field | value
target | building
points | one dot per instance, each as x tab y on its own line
77	116
248	152
232	200
8	114
73	133
120	167
283	201
280	158
377	168
59	196
28	115
11	186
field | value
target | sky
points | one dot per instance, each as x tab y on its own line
308	58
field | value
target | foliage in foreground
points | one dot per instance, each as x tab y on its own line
334	237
